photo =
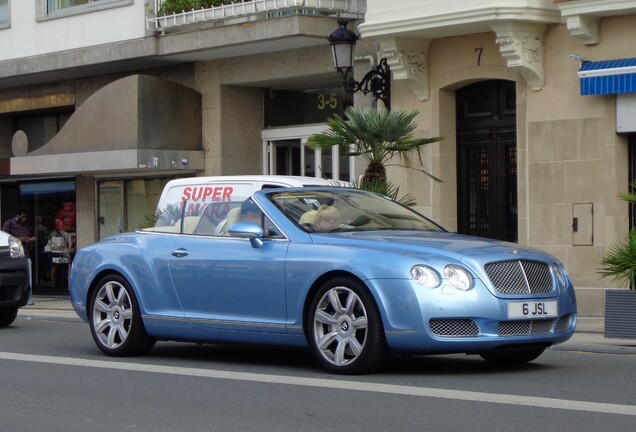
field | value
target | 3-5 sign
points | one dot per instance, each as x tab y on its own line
327	101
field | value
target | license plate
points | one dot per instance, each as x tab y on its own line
533	309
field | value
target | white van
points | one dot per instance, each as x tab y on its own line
209	205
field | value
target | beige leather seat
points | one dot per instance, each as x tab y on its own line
231	218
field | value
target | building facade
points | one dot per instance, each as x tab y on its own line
103	101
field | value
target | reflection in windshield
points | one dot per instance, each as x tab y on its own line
347	210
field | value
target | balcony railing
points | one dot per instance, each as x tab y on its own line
257	10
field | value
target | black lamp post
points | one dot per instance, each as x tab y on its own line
376	81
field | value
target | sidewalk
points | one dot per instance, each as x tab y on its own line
588	336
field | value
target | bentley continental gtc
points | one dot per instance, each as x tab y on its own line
351	275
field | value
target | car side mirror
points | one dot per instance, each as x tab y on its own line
249	230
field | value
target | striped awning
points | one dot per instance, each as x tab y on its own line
608	76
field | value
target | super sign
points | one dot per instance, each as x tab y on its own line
203	193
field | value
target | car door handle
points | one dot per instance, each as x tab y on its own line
181	252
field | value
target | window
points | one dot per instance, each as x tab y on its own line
62	8
127	205
4	12
53	5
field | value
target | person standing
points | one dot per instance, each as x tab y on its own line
18	227
59	245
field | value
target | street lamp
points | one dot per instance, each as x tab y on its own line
376	81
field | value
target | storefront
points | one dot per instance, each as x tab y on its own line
51	218
98	172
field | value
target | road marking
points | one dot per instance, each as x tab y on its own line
519	400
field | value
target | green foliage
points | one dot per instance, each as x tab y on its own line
177	6
630	197
387	189
377	136
167	217
619	262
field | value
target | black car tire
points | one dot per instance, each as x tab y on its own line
115	319
345	328
512	357
7	316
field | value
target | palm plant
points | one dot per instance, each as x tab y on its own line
375	135
387	188
619	262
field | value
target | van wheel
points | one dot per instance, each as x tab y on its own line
7	316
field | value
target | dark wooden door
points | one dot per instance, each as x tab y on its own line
487	160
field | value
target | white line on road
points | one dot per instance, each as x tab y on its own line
519	400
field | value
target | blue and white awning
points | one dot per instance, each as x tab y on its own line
608	77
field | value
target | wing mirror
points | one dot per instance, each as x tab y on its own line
249	230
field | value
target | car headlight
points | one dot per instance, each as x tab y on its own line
560	273
425	276
15	248
458	278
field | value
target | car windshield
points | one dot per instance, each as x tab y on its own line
347	210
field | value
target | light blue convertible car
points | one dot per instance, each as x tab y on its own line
353	275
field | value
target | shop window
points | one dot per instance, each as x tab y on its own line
127	205
51	220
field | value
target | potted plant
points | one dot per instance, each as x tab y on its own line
619	263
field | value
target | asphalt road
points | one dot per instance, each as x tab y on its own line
53	378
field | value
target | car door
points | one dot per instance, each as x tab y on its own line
225	283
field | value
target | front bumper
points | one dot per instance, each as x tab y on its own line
14	282
423	321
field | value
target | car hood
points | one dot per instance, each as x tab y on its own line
450	245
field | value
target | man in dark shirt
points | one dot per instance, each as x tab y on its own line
18	228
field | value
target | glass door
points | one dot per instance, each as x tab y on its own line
127	205
285	152
111	208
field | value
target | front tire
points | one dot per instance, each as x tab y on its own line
345	329
115	319
512	357
7	316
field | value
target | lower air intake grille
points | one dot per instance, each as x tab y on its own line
456	327
529	327
563	324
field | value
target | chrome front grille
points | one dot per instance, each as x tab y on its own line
454	327
520	277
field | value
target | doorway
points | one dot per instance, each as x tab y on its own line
487	160
285	152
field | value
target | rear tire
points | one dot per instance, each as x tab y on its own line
115	319
345	329
7	316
